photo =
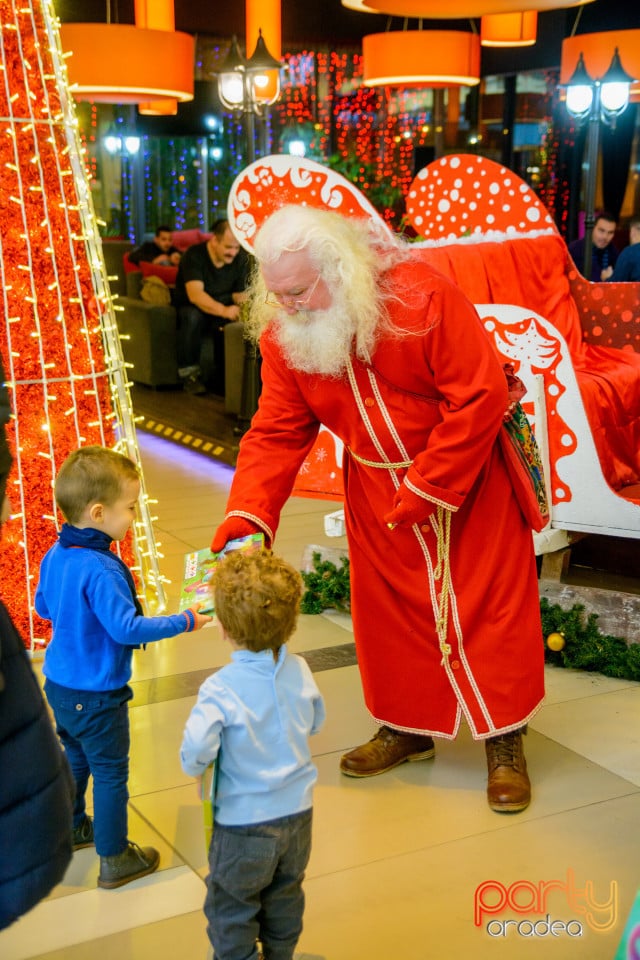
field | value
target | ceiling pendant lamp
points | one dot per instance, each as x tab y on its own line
156	15
263	32
597	50
122	63
509	29
453	9
428	58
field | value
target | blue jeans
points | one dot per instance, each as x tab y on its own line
254	887
93	727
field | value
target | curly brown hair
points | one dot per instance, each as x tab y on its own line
257	598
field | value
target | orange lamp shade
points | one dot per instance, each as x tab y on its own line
265	16
158	108
454	9
598	50
157	15
421	57
120	63
509	29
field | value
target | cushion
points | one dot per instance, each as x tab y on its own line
168	274
182	239
128	266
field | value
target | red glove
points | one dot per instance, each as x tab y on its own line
408	508
231	529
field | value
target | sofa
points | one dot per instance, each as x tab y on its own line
149	344
114	252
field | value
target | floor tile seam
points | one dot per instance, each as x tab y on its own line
175	912
346	652
156	792
509	821
169	843
629	685
583	756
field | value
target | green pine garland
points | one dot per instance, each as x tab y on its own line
585	647
327	586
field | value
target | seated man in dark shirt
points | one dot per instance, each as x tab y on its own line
628	263
210	286
160	250
603	252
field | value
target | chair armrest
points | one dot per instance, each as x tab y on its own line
233	366
148	333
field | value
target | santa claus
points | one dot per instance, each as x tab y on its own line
359	333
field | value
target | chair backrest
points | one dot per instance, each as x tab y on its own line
275	181
526	271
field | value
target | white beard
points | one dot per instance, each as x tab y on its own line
317	341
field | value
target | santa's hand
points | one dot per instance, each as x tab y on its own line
231	529
408	508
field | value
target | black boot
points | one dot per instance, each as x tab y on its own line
133	862
83	834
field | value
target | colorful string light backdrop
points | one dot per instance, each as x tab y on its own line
370	145
60	343
368	135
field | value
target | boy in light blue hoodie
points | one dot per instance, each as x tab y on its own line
254	718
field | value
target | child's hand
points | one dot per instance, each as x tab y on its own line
200	785
195	619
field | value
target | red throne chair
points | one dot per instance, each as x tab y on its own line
575	344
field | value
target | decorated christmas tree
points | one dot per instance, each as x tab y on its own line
59	337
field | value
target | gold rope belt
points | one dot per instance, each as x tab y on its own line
377	464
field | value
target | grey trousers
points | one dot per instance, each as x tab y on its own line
254	887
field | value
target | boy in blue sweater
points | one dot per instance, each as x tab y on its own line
254	717
89	595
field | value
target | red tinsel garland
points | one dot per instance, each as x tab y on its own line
52	344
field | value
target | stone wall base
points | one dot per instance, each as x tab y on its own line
618	613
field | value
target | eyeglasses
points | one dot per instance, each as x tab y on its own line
287	300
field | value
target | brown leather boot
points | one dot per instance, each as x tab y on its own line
508	786
387	749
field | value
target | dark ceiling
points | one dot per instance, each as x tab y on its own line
327	22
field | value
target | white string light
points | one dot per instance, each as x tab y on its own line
64	361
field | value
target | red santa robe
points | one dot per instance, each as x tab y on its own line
429	405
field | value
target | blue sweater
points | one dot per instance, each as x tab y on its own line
86	596
627	268
255	716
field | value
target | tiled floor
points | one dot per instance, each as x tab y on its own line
397	859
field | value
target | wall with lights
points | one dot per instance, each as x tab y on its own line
376	137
